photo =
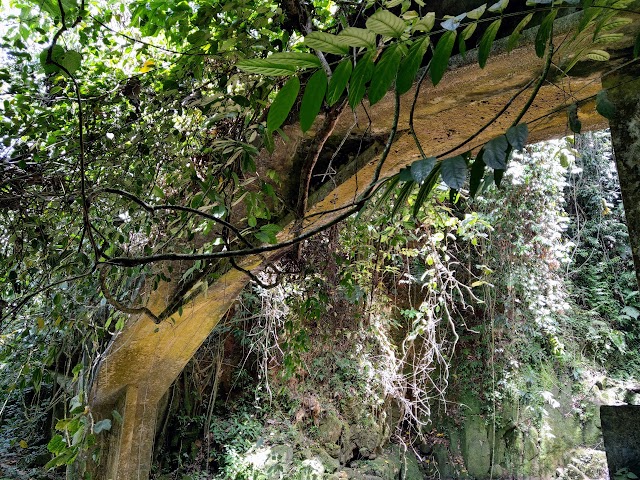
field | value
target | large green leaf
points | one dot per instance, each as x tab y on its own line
263	66
410	65
426	188
574	121
358	37
359	79
339	81
604	106
440	60
499	6
295	59
495	153
424	24
402	197
326	42
56	54
476	13
282	104
487	41
312	99
385	73
386	23
454	172
477	173
598	55
421	169
515	35
517	136
544	32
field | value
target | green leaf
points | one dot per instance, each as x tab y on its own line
495	153
358	37
515	35
468	31
263	66
636	47
56	53
454	172
405	175
452	23
102	425
295	59
402	197
499	6
312	99
339	81
56	445
427	187
385	73
282	104
477	173
598	55
604	106
71	60
359	79
326	42
410	65
440	60
267	233
544	32
517	136
425	24
486	41
574	122
386	23
421	169
476	13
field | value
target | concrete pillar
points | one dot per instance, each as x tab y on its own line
623	89
131	443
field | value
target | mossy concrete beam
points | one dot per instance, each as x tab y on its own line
144	360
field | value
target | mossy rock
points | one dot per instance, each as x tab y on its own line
476	448
330	429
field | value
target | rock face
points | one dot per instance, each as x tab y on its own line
621	431
563	442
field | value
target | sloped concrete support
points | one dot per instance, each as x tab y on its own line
131	443
623	89
145	359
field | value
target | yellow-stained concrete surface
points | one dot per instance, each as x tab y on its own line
145	358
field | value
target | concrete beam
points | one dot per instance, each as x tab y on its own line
145	358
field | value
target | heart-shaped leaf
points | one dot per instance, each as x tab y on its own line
517	136
495	153
454	172
421	169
